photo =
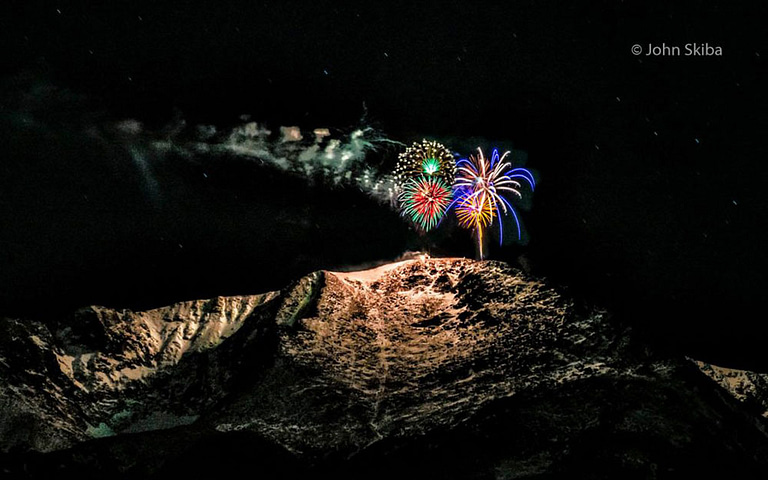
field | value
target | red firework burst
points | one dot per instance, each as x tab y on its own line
425	200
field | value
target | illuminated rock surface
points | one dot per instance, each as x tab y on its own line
426	368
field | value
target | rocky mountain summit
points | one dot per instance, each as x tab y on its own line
424	368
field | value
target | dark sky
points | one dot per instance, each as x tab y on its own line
652	169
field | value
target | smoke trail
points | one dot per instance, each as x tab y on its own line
338	158
351	157
150	183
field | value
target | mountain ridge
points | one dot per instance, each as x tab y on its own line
473	368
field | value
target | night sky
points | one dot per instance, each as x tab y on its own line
651	169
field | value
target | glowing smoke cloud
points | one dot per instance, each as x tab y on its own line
333	158
480	189
315	155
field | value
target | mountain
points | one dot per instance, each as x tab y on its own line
423	368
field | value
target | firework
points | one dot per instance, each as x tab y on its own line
426	158
425	199
423	176
473	211
481	186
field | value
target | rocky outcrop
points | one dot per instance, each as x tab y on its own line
105	371
426	368
749	388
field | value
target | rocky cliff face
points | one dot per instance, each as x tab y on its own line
103	371
750	388
436	368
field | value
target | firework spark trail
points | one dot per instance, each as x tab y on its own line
480	188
